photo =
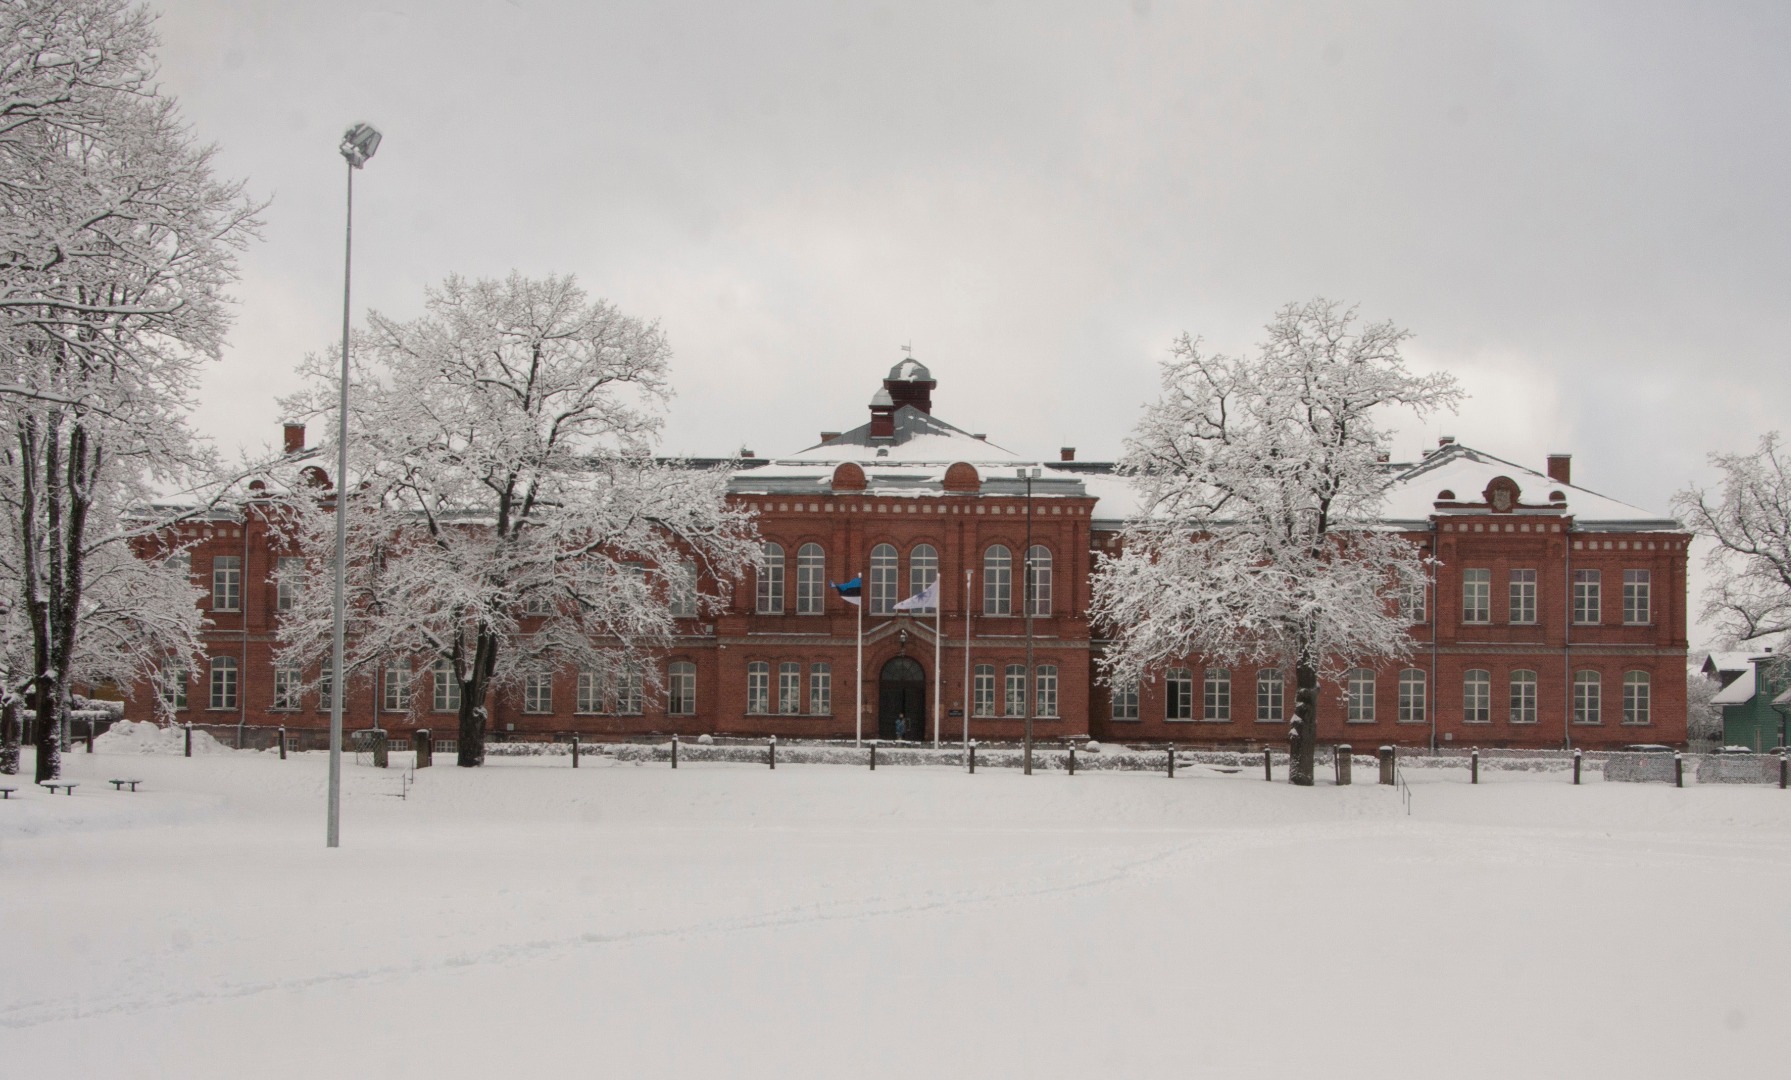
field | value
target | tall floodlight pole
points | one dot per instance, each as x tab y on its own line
358	145
1027	689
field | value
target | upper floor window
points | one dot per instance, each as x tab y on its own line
1125	702
1038	580
771	579
923	567
537	602
1523	697
1476	696
1588	694
1178	695
290	570
811	580
1636	692
1635	597
1586	600
883	579
758	687
1359	696
683	589
1411	603
223	682
1215	701
1523	596
1476	596
998	581
680	688
1271	688
982	701
1413	687
227	583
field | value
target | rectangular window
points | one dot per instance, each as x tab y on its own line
771	579
983	700
536	603
820	689
1635	597
286	687
226	583
1523	596
1413	687
684	590
811	580
1411	604
1216	696
445	689
758	687
174	682
1636	693
537	692
680	688
1125	702
1588	694
1586	601
590	691
1523	697
1476	596
1359	696
223	682
1476	697
1178	696
789	688
1015	703
291	572
631	691
1270	690
1047	689
396	686
326	682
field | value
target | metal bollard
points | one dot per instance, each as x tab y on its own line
1784	775
575	749
1170	757
1474	765
1072	759
1341	759
1268	766
1678	769
873	755
282	742
1576	766
90	736
973	757
1389	762
189	740
674	751
771	752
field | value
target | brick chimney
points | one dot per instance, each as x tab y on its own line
1066	453
883	409
1560	468
295	438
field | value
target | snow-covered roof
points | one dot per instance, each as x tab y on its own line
1739	692
910	370
1412	494
1723	662
919	438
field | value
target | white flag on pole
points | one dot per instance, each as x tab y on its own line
925	600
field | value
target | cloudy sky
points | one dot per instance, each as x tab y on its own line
1580	210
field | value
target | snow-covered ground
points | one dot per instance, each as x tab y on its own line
727	920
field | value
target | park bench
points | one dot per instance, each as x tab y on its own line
68	786
118	785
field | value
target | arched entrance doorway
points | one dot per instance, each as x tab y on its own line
902	693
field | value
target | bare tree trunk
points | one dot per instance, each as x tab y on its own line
49	730
1303	744
9	736
470	752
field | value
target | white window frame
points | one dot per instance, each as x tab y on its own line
1215	696
1013	690
290	586
1637	598
1476	596
1521	610
1038	581
1178	695
589	700
631	690
1523	696
395	678
1588	599
1414	696
1638	698
444	688
758	688
998	580
923	568
771	579
820	689
886	566
225	683
1125	702
1476	696
537	693
982	699
226	583
1360	690
1271	696
1588	697
811	579
680	688
789	688
1045	680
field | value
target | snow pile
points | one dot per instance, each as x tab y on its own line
141	737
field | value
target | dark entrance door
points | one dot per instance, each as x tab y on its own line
902	692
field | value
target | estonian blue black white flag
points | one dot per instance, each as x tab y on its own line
852	592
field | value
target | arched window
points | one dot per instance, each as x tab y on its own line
998	581
1178	700
223	682
1413	687
923	567
883	579
1588	695
680	688
1215	702
771	579
1359	696
1637	688
1476	696
1523	697
1271	688
811	580
1038	580
758	687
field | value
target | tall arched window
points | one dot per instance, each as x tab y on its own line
771	579
811	579
883	579
923	567
998	581
1038	580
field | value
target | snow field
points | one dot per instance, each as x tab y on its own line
828	921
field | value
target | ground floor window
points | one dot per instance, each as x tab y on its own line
1216	695
537	692
1125	702
1178	695
1523	697
680	688
758	687
1636	691
631	691
1271	688
1015	703
590	691
1047	689
1476	696
820	689
1588	694
174	681
1359	696
789	688
286	686
446	696
396	686
983	695
223	682
1412	687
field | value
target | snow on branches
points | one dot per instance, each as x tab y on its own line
1259	537
506	516
1749	594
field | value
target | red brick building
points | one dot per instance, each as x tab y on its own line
1558	616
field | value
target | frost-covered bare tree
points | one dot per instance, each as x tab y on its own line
116	245
1259	538
506	515
1748	597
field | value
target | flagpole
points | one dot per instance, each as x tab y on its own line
967	687
858	698
938	654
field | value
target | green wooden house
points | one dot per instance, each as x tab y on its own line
1755	690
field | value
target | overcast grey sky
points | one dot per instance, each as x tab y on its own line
1580	210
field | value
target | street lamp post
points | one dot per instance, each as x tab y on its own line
1027	688
358	145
